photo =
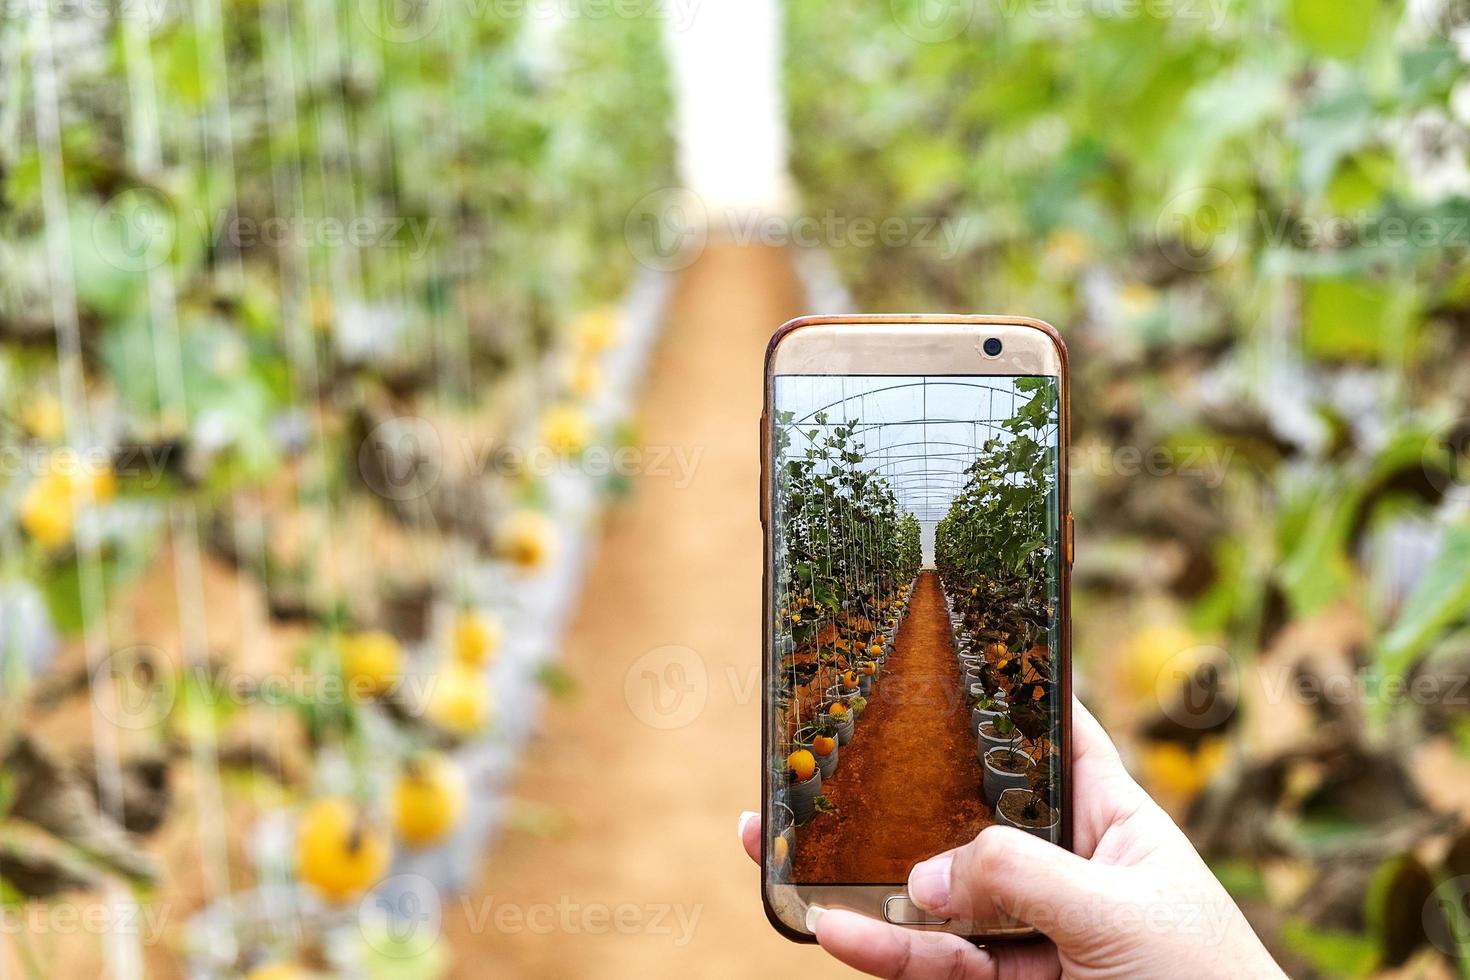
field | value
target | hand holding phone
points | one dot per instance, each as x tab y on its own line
1135	900
914	498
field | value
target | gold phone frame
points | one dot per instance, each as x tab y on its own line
908	344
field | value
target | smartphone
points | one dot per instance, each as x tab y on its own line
918	546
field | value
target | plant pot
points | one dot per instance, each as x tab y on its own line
845	729
782	819
782	824
781	866
786	644
971	676
997	781
984	742
826	764
865	685
801	798
1045	826
979	716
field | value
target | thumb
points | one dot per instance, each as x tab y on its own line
1005	879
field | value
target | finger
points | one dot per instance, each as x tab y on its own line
1105	793
1007	877
1026	961
749	829
889	951
1092	748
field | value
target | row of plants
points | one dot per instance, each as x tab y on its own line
303	317
995	554
1249	227
1013	710
847	558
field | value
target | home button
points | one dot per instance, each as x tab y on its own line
902	912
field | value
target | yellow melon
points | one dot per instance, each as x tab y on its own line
476	638
429	799
802	764
372	661
340	852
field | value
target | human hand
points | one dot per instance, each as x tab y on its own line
1135	900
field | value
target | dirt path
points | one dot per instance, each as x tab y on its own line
622	860
908	784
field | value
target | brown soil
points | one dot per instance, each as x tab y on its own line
612	814
908	785
1010	762
1013	806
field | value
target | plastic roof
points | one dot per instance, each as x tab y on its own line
918	432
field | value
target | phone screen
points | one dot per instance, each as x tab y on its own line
915	673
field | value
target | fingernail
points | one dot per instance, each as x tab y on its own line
813	913
929	882
746	816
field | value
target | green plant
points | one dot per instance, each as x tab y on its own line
1217	216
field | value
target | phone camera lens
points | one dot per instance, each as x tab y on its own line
992	347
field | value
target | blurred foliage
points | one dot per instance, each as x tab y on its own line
1250	221
258	260
280	226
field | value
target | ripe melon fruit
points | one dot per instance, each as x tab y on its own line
372	661
823	745
339	851
460	700
802	764
429	799
528	539
282	970
476	638
566	429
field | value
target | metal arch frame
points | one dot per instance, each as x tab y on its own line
920	501
922	382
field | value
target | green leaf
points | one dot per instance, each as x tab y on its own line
1361	181
1334	953
1334	28
1397	898
1317	570
1353	319
1441	598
